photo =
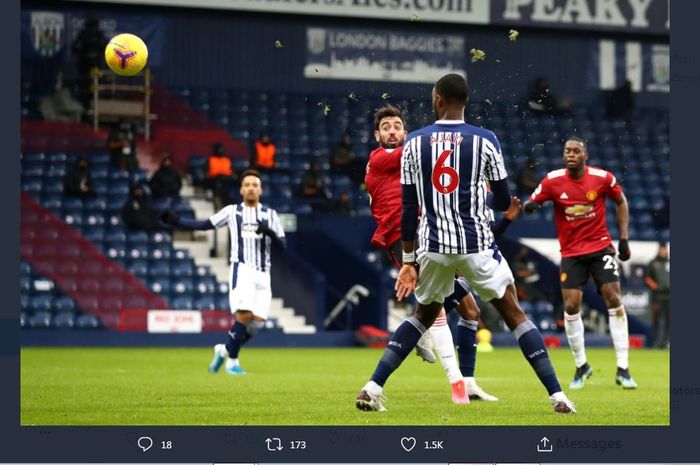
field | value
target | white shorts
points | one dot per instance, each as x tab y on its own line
487	272
249	290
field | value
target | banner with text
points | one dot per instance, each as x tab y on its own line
605	15
382	56
635	16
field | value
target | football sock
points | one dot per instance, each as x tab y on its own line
574	334
445	348
400	345
620	335
235	339
535	352
466	346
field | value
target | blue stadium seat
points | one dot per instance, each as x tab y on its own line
160	237
138	268
25	284
182	268
41	303
542	307
222	302
138	251
160	285
95	205
205	302
40	320
64	320
182	286
136	238
205	285
162	251
182	302
159	269
24	268
87	321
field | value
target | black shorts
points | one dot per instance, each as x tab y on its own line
602	266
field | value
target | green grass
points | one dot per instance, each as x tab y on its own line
147	386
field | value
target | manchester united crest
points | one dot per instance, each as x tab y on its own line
591	196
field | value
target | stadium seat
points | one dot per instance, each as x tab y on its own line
222	302
182	268
182	286
64	320
40	320
182	302
159	269
205	285
159	285
135	302
87	321
205	303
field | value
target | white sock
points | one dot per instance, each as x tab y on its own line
574	333
445	348
231	362
620	335
373	388
221	350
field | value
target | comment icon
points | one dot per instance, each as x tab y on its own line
145	443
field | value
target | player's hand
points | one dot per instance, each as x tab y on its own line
623	250
406	281
169	217
263	228
514	210
530	207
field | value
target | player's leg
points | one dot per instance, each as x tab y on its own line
445	348
434	284
466	345
574	276
490	275
605	273
424	347
619	333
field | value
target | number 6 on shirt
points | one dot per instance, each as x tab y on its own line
441	169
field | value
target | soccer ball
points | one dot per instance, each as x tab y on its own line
126	54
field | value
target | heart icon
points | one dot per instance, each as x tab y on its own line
408	443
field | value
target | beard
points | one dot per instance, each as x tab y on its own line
386	144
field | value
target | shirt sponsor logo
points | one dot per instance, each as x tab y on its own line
578	212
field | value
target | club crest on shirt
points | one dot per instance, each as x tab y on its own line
591	195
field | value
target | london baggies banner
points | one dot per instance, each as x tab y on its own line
370	55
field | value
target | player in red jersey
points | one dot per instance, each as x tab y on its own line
578	193
384	187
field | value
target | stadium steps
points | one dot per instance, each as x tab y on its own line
199	246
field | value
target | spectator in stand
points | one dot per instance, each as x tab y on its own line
264	154
343	204
528	179
220	176
313	189
78	181
121	143
61	106
527	278
658	279
620	102
166	181
542	101
345	161
137	212
89	48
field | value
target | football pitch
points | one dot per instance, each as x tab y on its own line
289	386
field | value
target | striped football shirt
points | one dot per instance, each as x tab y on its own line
449	163
247	246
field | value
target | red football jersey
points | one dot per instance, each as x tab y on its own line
383	181
579	208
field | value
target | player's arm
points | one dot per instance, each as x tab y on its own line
649	277
273	230
408	275
498	228
499	197
537	198
623	215
171	218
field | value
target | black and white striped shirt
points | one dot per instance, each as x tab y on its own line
247	246
449	163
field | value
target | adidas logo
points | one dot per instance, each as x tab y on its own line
564	196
